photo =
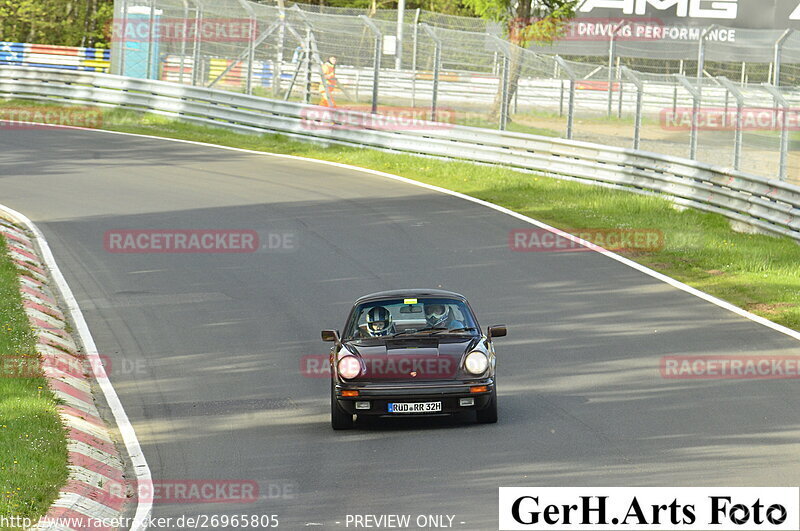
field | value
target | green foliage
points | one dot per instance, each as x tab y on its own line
449	7
59	22
551	26
494	10
526	23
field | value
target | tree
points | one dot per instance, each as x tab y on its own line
526	21
61	22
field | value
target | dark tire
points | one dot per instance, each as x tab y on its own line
488	415
340	419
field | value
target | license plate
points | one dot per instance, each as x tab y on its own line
414	407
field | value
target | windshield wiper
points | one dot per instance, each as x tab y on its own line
461	329
413	331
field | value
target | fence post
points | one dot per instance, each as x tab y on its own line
198	22
377	66
776	94
437	58
637	121
776	72
674	97
611	54
277	69
701	50
251	44
505	102
122	42
504	94
571	105
183	39
696	96
150	39
737	137
307	64
398	49
414	61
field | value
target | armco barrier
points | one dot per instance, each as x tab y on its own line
767	205
61	57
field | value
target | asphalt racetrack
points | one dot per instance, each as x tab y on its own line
206	348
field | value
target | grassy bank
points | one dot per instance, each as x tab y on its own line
33	453
756	272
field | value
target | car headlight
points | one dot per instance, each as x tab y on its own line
476	362
349	367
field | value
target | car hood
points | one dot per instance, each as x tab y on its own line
416	359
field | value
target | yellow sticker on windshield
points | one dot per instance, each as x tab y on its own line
409	301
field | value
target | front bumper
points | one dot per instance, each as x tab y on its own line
380	395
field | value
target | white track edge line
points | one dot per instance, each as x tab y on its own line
614	256
140	467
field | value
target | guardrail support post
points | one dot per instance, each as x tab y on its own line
737	137
377	62
437	59
571	105
776	94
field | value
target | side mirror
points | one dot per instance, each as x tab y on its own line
330	335
496	331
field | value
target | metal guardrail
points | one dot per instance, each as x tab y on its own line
767	205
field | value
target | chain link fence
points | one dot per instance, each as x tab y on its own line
716	99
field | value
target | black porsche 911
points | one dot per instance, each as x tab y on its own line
412	352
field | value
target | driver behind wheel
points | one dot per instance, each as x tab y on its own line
440	316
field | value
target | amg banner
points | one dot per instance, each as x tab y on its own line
745	14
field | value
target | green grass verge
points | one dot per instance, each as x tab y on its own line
756	272
33	448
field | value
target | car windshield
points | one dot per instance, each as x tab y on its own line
410	317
